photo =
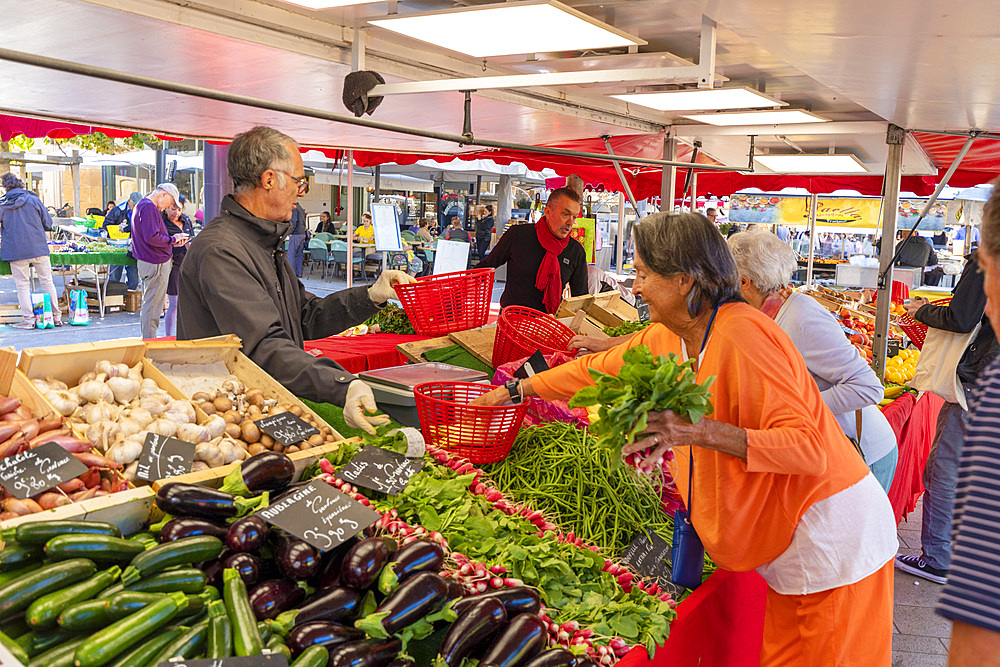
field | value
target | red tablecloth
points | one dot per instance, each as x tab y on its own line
721	624
914	422
362	353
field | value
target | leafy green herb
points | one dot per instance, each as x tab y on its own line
626	328
392	319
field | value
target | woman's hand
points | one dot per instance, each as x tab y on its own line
664	431
492	399
587	343
915	304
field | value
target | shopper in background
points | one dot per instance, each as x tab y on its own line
423	230
237	280
110	205
970	596
23	223
325	225
177	224
776	487
484	230
962	314
121	215
712	215
846	382
153	247
297	238
366	232
541	258
455	231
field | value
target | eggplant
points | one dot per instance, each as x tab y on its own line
267	471
188	526
335	604
333	561
420	595
471	628
523	639
247	566
557	657
365	560
198	501
246	534
213	568
324	633
517	600
270	598
297	560
367	653
417	556
585	661
455	589
401	662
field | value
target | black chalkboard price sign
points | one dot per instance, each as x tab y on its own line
270	660
649	556
36	470
643	309
381	470
286	428
164	457
319	514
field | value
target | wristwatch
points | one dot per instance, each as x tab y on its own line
514	388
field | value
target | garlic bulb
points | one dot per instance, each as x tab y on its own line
125	452
87	377
231	451
193	433
216	426
129	426
176	416
141	416
198	465
112	370
64	402
100	412
93	391
149	388
53	383
163	427
210	454
183	406
102	434
154	404
124	389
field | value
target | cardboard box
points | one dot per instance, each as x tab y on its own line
133	301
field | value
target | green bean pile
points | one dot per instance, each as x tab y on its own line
560	471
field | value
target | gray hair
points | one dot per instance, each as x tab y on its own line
990	232
763	258
688	243
254	152
9	181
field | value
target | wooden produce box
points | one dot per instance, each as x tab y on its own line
129	510
69	362
10	314
14	383
213	476
209	350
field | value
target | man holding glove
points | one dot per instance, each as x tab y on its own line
237	279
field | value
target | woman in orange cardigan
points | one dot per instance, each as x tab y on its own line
777	487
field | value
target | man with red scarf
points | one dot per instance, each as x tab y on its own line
541	258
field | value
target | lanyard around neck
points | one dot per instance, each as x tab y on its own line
704	342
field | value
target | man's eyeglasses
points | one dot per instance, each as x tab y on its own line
303	183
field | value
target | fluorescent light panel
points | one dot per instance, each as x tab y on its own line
702	100
812	164
508	29
776	117
327	4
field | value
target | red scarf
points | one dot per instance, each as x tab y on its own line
549	278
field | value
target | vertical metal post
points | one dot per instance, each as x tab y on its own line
378	183
620	245
217	182
668	178
890	209
75	170
694	192
479	187
161	165
350	219
812	238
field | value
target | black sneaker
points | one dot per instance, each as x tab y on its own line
917	566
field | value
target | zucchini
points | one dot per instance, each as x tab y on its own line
185	551
104	645
144	653
16	556
86	616
184	580
36	642
15	649
220	632
43	612
10	575
212	593
277	645
18	594
15	627
40	532
189	644
102	548
314	656
60	656
246	636
142	538
129	602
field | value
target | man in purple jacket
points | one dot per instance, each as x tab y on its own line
152	248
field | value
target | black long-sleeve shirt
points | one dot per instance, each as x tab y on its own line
521	251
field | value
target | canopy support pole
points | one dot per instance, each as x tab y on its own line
813	201
350	222
620	236
668	178
75	171
621	175
890	210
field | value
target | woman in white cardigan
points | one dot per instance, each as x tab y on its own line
846	381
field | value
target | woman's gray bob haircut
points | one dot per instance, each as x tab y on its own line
763	258
254	152
688	243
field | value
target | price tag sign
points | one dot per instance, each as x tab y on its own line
380	470
643	309
164	457
36	470
649	556
535	364
269	660
319	514
286	428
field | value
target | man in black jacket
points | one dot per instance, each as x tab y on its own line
237	279
965	311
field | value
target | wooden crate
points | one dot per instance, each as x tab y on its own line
69	362
209	350
129	510
10	314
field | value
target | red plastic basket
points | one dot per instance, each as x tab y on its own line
479	433
522	331
917	331
438	305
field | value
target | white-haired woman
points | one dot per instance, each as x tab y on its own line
846	382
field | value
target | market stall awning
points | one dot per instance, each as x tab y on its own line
34	128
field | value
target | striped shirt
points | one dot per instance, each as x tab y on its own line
973	587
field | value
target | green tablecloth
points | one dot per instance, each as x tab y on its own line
334	416
80	258
458	356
